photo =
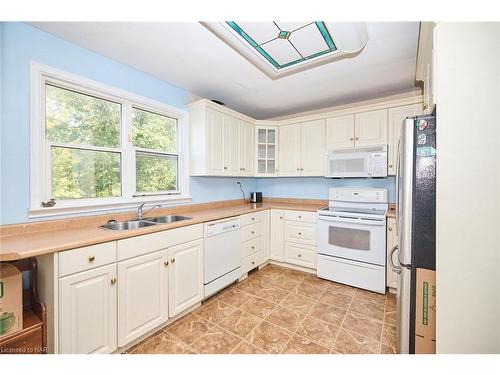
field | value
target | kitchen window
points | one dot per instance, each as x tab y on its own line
94	147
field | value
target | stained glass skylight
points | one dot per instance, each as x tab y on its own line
284	44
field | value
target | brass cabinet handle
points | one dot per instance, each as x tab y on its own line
389	229
356	138
166	263
172	260
91	258
113	281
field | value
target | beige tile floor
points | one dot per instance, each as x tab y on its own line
279	310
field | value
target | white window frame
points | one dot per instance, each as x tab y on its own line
40	178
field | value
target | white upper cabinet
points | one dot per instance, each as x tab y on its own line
340	132
396	117
266	151
289	145
185	276
231	146
142	295
215	148
312	148
247	146
370	128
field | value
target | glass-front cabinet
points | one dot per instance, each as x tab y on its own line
267	150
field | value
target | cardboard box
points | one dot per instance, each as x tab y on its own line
11	299
425	314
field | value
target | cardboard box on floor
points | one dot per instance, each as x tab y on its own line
11	299
425	314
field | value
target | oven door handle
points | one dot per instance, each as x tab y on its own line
353	221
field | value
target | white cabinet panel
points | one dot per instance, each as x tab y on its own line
301	255
215	150
392	277
370	128
87	311
340	132
277	235
142	295
300	232
247	146
312	148
230	142
185	276
266	151
289	155
397	116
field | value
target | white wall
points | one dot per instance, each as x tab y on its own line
468	187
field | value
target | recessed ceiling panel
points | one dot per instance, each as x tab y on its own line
291	26
309	41
282	51
261	32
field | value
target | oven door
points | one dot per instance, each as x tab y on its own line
356	239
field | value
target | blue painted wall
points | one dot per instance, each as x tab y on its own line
317	187
21	43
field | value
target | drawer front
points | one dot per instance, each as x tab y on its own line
302	216
250	262
251	246
249	232
250	218
301	255
303	233
86	258
148	243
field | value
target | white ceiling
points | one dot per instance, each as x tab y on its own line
189	56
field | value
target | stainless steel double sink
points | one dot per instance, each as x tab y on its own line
142	223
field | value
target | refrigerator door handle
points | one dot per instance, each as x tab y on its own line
391	261
398	160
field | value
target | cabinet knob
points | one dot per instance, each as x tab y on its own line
298	169
389	229
300	255
390	165
281	217
113	281
301	169
172	260
356	138
91	258
253	247
253	232
244	169
276	170
253	218
351	139
253	262
225	167
300	234
166	263
300	217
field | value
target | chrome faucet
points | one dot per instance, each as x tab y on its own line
140	212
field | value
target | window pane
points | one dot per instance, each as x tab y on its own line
85	174
154	131
154	172
71	117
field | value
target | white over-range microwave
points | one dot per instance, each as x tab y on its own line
360	162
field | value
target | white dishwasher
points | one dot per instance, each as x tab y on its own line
222	258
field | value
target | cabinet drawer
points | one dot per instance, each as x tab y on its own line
301	255
251	246
148	243
250	262
303	216
86	258
303	233
251	231
250	218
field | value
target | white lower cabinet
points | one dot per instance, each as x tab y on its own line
300	254
142	295
87	311
185	276
392	277
277	236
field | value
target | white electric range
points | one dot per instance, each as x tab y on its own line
351	238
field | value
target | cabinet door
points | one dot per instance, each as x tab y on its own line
340	132
396	118
87	311
231	148
277	235
215	152
142	295
185	276
312	148
392	277
247	145
266	223
370	128
289	154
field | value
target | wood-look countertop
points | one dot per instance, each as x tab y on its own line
20	241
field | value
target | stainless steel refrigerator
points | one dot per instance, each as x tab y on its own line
416	219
